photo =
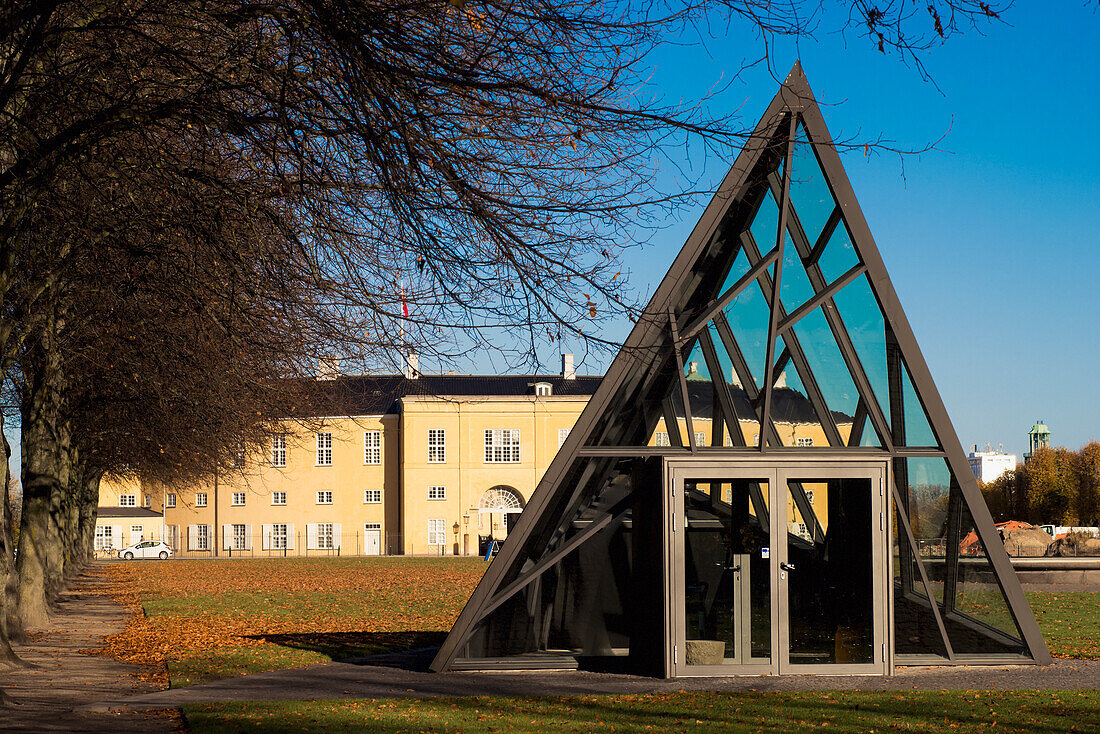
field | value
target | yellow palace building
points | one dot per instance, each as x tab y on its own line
411	464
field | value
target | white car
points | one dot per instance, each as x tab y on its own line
146	549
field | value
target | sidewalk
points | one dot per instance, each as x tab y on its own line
401	675
53	696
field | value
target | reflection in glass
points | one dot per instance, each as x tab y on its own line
827	364
915	630
839	255
727	579
580	605
810	195
862	317
979	618
830	587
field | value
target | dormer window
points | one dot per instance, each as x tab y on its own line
544	389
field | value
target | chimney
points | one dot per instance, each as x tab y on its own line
693	368
567	370
412	366
328	368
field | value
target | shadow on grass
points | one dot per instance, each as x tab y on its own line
411	650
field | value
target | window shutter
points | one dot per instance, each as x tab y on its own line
266	539
311	536
289	537
192	537
116	537
227	537
335	535
248	536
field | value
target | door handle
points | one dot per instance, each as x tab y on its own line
787	566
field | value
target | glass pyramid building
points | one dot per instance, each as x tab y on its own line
766	480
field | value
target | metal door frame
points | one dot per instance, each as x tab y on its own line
775	470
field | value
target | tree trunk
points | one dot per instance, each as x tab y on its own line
44	443
8	658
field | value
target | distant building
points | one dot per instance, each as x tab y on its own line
410	464
1037	438
988	465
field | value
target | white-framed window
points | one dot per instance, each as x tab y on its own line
700	438
238	499
148	501
324	497
543	389
563	433
170	500
278	536
127	500
137	532
104	538
372	496
238	457
324	449
804	441
437	531
756	439
202	537
502	445
278	498
324	535
437	445
809	495
372	526
372	447
660	438
200	500
239	537
278	449
437	493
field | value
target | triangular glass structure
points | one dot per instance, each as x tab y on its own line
671	527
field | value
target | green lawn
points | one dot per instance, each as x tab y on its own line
222	619
1037	712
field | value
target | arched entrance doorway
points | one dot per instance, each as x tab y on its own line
499	508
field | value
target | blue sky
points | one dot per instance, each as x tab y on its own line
992	242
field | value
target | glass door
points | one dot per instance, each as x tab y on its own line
832	575
723	575
776	568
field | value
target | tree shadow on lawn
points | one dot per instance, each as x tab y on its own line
410	650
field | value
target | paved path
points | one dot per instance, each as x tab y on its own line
53	696
388	676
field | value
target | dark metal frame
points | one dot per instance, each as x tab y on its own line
668	328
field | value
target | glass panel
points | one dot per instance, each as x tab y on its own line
830	581
810	193
918	429
747	421
632	415
980	621
727	577
839	256
862	317
795	288
583	604
793	414
915	628
765	226
748	316
827	364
